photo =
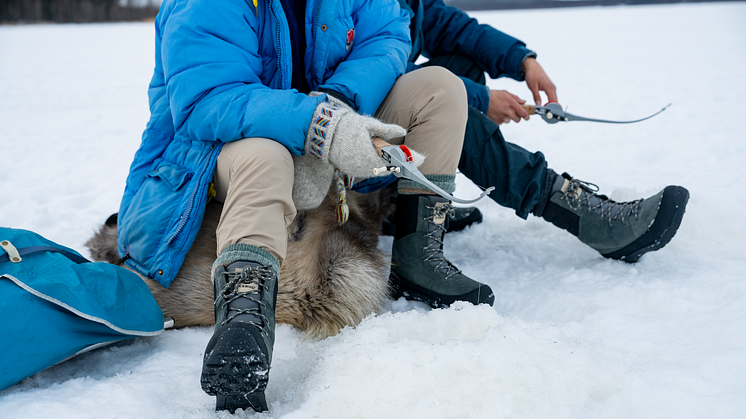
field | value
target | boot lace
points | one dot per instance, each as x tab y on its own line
434	248
583	194
249	275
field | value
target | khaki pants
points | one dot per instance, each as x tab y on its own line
254	176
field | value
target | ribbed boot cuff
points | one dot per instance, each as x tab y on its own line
410	187
249	253
546	190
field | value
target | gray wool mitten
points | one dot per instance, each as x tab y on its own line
341	137
312	180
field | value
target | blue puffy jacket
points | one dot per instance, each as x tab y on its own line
222	72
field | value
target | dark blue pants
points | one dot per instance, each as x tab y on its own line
488	160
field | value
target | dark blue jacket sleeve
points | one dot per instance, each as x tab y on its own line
448	30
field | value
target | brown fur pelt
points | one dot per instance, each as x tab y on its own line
333	276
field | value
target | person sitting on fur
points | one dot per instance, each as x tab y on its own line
522	180
261	106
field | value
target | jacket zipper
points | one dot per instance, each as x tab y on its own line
313	34
277	39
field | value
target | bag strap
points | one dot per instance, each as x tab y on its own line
34	249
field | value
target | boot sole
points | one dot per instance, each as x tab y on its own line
402	287
664	227
236	368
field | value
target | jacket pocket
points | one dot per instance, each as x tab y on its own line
172	175
154	212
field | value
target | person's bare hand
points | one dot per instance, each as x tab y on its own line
505	107
537	80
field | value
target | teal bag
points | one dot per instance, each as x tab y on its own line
55	304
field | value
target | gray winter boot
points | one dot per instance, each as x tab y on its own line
419	270
238	357
617	230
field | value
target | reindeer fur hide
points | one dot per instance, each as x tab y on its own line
333	276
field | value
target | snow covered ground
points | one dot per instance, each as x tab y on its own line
571	335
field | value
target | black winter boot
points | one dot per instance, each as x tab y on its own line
419	270
238	357
617	230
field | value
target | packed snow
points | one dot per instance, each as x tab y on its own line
571	335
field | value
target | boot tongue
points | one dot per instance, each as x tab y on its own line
612	209
580	193
248	288
251	287
440	213
437	213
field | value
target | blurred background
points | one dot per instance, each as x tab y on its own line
76	11
84	11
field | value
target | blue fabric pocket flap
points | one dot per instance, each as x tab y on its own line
173	175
